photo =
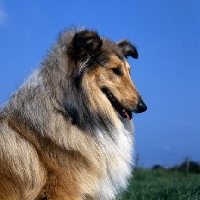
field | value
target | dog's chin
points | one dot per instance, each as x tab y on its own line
116	105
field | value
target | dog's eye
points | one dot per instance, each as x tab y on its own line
117	71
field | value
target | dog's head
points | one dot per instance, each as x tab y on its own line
101	74
111	71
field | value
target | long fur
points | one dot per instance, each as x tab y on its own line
61	138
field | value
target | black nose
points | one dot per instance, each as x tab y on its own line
141	107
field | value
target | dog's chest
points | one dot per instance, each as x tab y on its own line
118	156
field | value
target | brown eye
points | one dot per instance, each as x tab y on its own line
117	71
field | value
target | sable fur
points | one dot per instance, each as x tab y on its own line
61	137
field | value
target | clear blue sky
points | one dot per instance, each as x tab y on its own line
167	73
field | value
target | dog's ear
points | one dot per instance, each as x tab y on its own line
86	42
127	49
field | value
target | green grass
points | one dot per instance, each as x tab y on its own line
162	185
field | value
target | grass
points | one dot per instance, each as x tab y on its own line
162	185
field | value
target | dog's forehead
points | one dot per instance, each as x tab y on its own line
127	65
116	57
115	61
111	48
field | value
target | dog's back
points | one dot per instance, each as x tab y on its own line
67	132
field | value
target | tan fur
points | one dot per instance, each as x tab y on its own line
65	142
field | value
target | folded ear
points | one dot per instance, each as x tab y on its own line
86	42
127	49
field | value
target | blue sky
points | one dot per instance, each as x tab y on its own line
167	73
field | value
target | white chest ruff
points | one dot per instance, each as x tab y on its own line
118	161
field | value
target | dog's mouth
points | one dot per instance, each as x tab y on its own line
118	107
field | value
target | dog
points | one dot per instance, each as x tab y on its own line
67	132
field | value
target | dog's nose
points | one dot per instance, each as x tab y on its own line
141	106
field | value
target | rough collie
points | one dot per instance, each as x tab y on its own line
67	133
